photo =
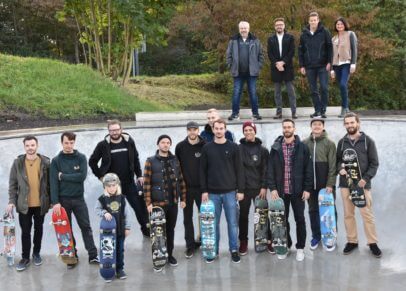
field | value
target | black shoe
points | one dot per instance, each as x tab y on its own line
146	233
37	259
349	247
323	115
278	116
172	261
121	275
234	116
235	257
209	261
71	266
294	116
189	253
315	114
94	260
22	265
198	244
256	117
375	250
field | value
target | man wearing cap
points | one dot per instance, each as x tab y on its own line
255	162
323	158
188	153
207	134
163	186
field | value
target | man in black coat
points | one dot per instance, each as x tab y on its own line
281	49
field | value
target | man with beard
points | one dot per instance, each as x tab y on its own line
189	152
290	177
119	155
368	163
207	134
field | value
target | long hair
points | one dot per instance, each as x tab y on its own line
346	25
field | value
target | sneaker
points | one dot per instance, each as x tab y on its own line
243	247
271	250
209	261
234	117
37	259
157	270
22	265
282	257
349	247
189	253
121	275
256	117
375	250
107	280
294	116
330	248
235	257
278	116
198	244
146	233
71	266
94	260
323	115
315	114
300	255
172	261
314	243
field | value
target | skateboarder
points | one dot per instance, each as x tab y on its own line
290	176
113	204
222	181
189	152
255	161
207	134
163	186
29	193
323	157
119	155
67	175
368	163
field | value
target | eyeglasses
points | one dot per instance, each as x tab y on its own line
115	130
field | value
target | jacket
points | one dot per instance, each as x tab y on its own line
116	206
345	49
288	52
208	135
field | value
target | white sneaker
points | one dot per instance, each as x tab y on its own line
300	255
282	257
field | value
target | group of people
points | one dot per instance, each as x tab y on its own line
205	166
320	55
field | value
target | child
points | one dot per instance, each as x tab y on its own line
110	204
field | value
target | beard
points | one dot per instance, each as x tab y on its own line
352	130
115	136
288	134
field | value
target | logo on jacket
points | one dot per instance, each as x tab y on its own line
197	154
76	168
254	158
114	206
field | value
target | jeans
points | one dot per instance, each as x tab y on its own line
137	203
79	208
193	195
120	253
291	95
171	215
34	213
252	92
298	207
320	104
229	202
343	75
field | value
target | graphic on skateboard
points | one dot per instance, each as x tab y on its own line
354	175
9	232
261	224
208	230
277	220
64	237
158	238
328	224
107	248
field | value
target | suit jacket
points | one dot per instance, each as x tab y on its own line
288	51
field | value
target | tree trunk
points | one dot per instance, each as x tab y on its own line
109	37
97	48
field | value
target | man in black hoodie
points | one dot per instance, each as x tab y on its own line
315	57
188	153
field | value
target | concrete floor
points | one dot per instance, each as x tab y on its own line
320	270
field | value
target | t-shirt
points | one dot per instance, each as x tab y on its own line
33	170
120	164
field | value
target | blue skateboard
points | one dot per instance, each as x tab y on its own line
208	230
328	224
108	249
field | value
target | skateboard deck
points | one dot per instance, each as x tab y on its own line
278	226
328	224
64	237
208	230
158	237
9	232
351	165
261	224
107	248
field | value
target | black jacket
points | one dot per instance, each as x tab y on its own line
255	163
102	151
288	52
302	172
315	50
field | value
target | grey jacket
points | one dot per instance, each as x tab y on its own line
19	188
256	56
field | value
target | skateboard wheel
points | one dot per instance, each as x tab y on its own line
163	220
113	266
101	230
101	266
113	230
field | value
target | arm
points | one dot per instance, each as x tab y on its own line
290	52
271	55
331	181
308	170
79	176
264	167
239	167
372	159
127	224
329	47
260	55
203	170
300	52
54	181
339	156
137	166
147	182
182	183
13	185
354	48
271	172
229	54
94	160
100	211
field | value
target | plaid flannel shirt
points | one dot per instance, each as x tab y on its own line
287	157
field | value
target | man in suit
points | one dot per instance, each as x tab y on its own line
281	49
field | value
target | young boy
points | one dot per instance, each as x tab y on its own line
112	204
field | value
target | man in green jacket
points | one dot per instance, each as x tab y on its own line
29	194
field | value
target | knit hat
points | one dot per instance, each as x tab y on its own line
250	124
161	137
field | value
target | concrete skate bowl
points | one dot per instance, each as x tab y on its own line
358	271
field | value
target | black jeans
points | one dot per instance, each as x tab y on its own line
137	203
298	207
171	214
26	224
120	253
79	208
193	195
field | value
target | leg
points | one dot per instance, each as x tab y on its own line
198	201
38	229
314	215
237	90
323	78
67	204
312	79
343	82
278	97
171	213
120	253
188	221
26	224
291	95
298	207
230	210
252	92
137	203
368	219
286	200
217	200
245	205
349	217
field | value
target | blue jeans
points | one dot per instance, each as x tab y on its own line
252	92
120	253
229	202
343	75
320	104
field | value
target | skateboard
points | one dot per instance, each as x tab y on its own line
158	238
261	224
328	224
208	230
107	248
9	232
351	165
278	226
64	237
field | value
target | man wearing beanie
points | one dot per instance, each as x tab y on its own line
255	162
163	186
